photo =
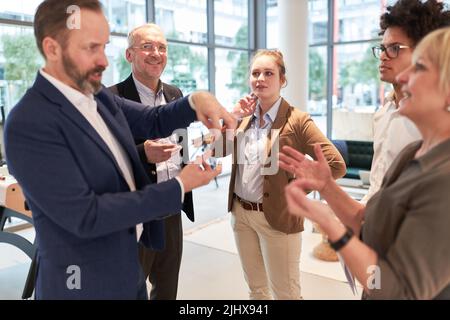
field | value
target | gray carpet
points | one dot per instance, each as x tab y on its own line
12	281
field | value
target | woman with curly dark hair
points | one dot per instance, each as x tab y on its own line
403	25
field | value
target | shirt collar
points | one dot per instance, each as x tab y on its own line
390	96
390	101
435	156
143	89
74	96
270	115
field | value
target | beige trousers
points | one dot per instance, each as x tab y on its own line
270	258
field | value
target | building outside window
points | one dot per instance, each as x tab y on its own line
356	91
210	43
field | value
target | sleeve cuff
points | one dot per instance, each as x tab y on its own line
191	102
182	188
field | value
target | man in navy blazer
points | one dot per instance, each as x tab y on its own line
69	143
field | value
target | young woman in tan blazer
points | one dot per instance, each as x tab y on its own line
267	237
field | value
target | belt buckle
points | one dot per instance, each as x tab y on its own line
247	203
243	202
252	205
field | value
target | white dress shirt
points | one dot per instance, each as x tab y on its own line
87	106
249	181
392	132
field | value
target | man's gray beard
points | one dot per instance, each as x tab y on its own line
82	82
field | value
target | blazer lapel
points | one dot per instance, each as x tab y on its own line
118	131
128	90
245	124
169	93
69	110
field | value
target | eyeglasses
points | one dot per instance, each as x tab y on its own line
150	47
391	51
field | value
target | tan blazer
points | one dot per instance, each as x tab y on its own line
298	131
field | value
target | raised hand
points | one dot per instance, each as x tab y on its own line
210	111
317	174
196	175
245	106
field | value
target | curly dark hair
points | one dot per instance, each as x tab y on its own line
415	17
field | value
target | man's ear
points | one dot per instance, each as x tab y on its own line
128	55
52	49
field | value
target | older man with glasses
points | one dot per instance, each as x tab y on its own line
403	25
147	53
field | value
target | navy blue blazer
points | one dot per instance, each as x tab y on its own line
83	212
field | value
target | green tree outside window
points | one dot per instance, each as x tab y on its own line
22	61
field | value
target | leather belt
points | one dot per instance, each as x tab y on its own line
248	205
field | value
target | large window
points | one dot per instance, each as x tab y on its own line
118	68
206	52
19	62
317	97
20	10
231	23
318	62
318	21
231	69
123	15
272	24
210	42
182	20
356	20
231	33
355	91
187	67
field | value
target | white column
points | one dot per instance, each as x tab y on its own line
293	40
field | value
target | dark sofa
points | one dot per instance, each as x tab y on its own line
357	156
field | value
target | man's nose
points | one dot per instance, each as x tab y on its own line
383	55
102	59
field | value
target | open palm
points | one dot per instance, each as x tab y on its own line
314	173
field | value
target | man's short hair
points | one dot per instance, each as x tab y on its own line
415	17
51	17
132	34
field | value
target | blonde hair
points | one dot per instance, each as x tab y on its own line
277	56
436	46
132	34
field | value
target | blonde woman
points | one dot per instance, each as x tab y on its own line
403	252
